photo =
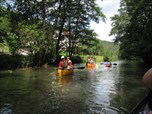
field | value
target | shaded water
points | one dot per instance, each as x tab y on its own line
102	90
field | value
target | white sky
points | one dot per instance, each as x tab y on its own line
109	8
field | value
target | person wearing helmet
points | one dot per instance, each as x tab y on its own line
62	63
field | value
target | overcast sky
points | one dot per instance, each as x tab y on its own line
109	8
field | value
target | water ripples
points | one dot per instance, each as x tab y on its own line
89	91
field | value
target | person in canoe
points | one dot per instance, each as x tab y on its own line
90	60
62	63
69	63
108	63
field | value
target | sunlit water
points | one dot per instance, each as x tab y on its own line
101	90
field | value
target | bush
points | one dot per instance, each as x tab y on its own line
76	59
9	61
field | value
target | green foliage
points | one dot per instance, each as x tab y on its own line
77	59
4	24
132	28
13	61
111	50
30	36
4	48
96	58
92	46
12	40
39	26
75	17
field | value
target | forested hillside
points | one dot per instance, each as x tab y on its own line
111	50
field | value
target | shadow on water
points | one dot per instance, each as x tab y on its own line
99	90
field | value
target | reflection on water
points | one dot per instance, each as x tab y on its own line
100	90
64	80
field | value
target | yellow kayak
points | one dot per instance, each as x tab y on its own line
90	65
64	72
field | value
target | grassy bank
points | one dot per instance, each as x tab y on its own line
96	58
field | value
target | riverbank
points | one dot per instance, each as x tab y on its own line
10	62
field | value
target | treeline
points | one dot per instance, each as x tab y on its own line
110	50
132	28
47	28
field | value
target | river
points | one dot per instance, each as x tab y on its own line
102	90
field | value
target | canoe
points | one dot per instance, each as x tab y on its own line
140	107
64	72
90	65
108	65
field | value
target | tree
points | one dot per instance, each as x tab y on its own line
75	17
132	27
42	23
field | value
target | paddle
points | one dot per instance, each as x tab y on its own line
114	63
78	67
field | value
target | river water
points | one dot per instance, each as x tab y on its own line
101	90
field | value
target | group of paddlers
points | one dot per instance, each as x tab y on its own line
65	62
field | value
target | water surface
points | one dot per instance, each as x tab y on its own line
101	90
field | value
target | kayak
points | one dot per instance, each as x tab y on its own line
141	106
90	65
64	72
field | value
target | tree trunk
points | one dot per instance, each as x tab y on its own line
60	31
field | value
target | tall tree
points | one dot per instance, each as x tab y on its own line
79	15
50	19
132	28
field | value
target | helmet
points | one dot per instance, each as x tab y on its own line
62	57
